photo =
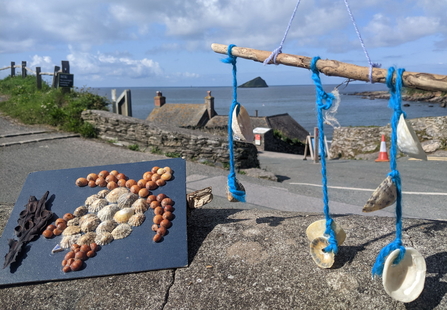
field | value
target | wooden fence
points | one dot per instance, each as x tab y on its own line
61	75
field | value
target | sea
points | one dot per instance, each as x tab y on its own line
296	100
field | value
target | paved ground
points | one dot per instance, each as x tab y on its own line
252	255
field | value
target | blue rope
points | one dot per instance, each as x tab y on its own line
395	104
324	102
232	184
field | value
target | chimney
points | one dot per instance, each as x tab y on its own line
209	102
159	100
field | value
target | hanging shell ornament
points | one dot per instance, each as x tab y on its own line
321	258
384	195
241	124
317	229
404	281
407	140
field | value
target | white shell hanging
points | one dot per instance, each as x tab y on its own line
384	195
407	141
317	229
404	281
241	125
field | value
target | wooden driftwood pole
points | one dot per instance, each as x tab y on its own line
425	81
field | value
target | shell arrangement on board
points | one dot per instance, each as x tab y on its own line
384	195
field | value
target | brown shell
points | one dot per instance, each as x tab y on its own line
80	211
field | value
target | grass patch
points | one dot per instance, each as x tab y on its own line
133	147
173	154
49	105
279	135
156	150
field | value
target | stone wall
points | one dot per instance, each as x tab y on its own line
356	142
190	144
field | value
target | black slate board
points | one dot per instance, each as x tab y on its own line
135	253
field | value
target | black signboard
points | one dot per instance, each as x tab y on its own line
65	80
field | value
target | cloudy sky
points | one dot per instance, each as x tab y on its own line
167	43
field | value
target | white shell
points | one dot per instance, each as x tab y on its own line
114	194
107	213
140	205
241	124
103	238
68	241
136	219
71	230
404	281
384	195
106	226
407	140
103	193
321	258
87	238
97	205
317	229
90	224
121	231
123	215
126	200
90	200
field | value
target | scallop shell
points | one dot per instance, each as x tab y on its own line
106	226
103	193
108	212
384	195
71	230
321	258
239	187
90	224
140	205
80	211
103	238
97	205
126	200
68	241
121	231
123	215
407	140
241	124
317	229
137	219
87	238
90	200
114	194
404	281
73	222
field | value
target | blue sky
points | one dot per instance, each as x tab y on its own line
136	43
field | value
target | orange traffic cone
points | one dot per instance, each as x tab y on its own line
383	155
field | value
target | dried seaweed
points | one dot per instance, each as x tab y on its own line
31	223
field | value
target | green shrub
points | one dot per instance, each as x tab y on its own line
133	147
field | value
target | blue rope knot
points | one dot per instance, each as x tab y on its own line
230	59
324	100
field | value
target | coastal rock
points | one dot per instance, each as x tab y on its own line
256	82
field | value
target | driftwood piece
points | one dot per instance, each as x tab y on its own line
425	81
199	198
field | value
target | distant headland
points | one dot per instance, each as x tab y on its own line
256	82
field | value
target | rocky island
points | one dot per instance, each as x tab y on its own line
408	95
256	82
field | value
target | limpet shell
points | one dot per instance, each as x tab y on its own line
123	215
74	222
80	211
87	238
106	226
317	229
140	205
126	200
103	238
114	194
121	231
108	212
404	281
321	258
90	200
103	193
384	195
136	219
71	230
90	224
84	218
68	241
97	205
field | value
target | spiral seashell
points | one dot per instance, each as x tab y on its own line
126	200
68	241
107	213
321	258
140	205
87	238
114	194
136	219
103	238
121	231
74	222
71	230
103	193
317	229
123	215
90	200
90	224
106	226
80	211
384	195
97	205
